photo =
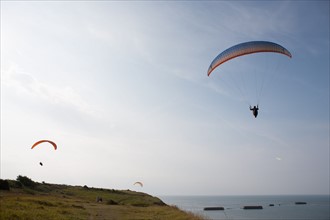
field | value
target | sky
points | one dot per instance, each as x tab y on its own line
122	88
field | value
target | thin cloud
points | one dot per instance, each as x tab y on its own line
25	85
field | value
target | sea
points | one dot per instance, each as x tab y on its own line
309	207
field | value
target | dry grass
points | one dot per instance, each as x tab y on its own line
50	201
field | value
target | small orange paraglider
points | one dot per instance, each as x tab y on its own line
42	141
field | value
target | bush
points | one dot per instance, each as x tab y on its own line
4	185
14	184
26	181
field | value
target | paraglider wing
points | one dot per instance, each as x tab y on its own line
42	141
138	183
247	48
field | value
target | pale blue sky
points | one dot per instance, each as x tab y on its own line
122	88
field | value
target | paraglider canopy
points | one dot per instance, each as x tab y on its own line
244	49
42	141
138	183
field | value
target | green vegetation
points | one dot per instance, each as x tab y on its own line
26	181
4	185
26	199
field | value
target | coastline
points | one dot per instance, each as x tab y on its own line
273	206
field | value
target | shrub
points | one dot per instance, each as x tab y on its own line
26	181
4	185
14	184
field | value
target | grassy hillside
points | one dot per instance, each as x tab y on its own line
32	200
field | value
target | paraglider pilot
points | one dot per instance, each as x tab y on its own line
254	110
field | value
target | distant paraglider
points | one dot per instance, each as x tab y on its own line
138	183
254	110
42	141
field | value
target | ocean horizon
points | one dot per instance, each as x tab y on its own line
274	207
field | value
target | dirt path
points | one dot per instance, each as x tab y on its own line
101	212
